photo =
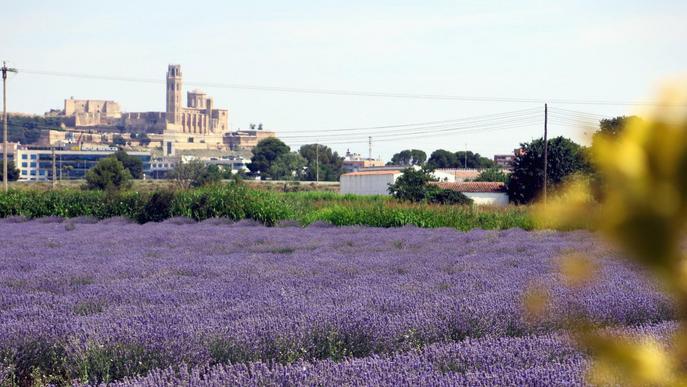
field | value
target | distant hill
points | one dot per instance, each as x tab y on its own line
26	129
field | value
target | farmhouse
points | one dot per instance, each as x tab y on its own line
376	180
481	192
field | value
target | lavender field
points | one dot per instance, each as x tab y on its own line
214	304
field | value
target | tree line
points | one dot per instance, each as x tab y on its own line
273	159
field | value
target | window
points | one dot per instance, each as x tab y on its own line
34	156
33	172
23	173
23	157
33	165
24	165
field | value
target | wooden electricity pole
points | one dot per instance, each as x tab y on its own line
369	148
317	162
54	168
5	161
546	149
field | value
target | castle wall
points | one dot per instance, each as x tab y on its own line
148	122
91	112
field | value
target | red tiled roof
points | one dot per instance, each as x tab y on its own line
474	186
379	172
461	174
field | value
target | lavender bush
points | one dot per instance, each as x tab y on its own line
543	360
101	302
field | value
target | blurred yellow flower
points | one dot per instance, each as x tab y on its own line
641	184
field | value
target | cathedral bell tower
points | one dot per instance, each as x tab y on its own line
174	87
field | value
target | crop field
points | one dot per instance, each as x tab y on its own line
220	303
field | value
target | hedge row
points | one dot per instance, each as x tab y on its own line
228	201
238	202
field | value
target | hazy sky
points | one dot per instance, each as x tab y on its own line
542	50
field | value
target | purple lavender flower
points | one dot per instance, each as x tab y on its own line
115	299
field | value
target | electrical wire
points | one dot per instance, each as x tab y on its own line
340	92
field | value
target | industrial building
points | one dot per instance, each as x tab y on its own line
36	163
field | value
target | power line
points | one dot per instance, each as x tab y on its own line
361	140
358	93
492	115
401	130
423	131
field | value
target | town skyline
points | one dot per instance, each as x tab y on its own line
582	52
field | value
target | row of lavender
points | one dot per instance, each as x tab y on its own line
106	301
544	360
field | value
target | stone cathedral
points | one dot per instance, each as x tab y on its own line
198	125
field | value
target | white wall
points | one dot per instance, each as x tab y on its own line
448	177
488	198
367	184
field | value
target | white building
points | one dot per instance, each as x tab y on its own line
481	192
36	163
376	180
368	182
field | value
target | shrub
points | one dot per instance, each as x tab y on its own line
132	163
195	174
492	174
12	172
446	196
109	174
412	185
237	202
157	208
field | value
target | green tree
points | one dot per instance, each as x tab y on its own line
265	153
118	141
441	158
222	172
614	126
288	166
414	185
12	172
330	163
409	157
492	174
486	163
527	179
474	160
132	163
108	174
194	174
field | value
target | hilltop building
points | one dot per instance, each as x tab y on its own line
88	112
198	125
246	139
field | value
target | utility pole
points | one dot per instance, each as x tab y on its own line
5	159
465	163
317	162
369	148
54	168
546	148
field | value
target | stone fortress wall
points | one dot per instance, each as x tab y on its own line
91	112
